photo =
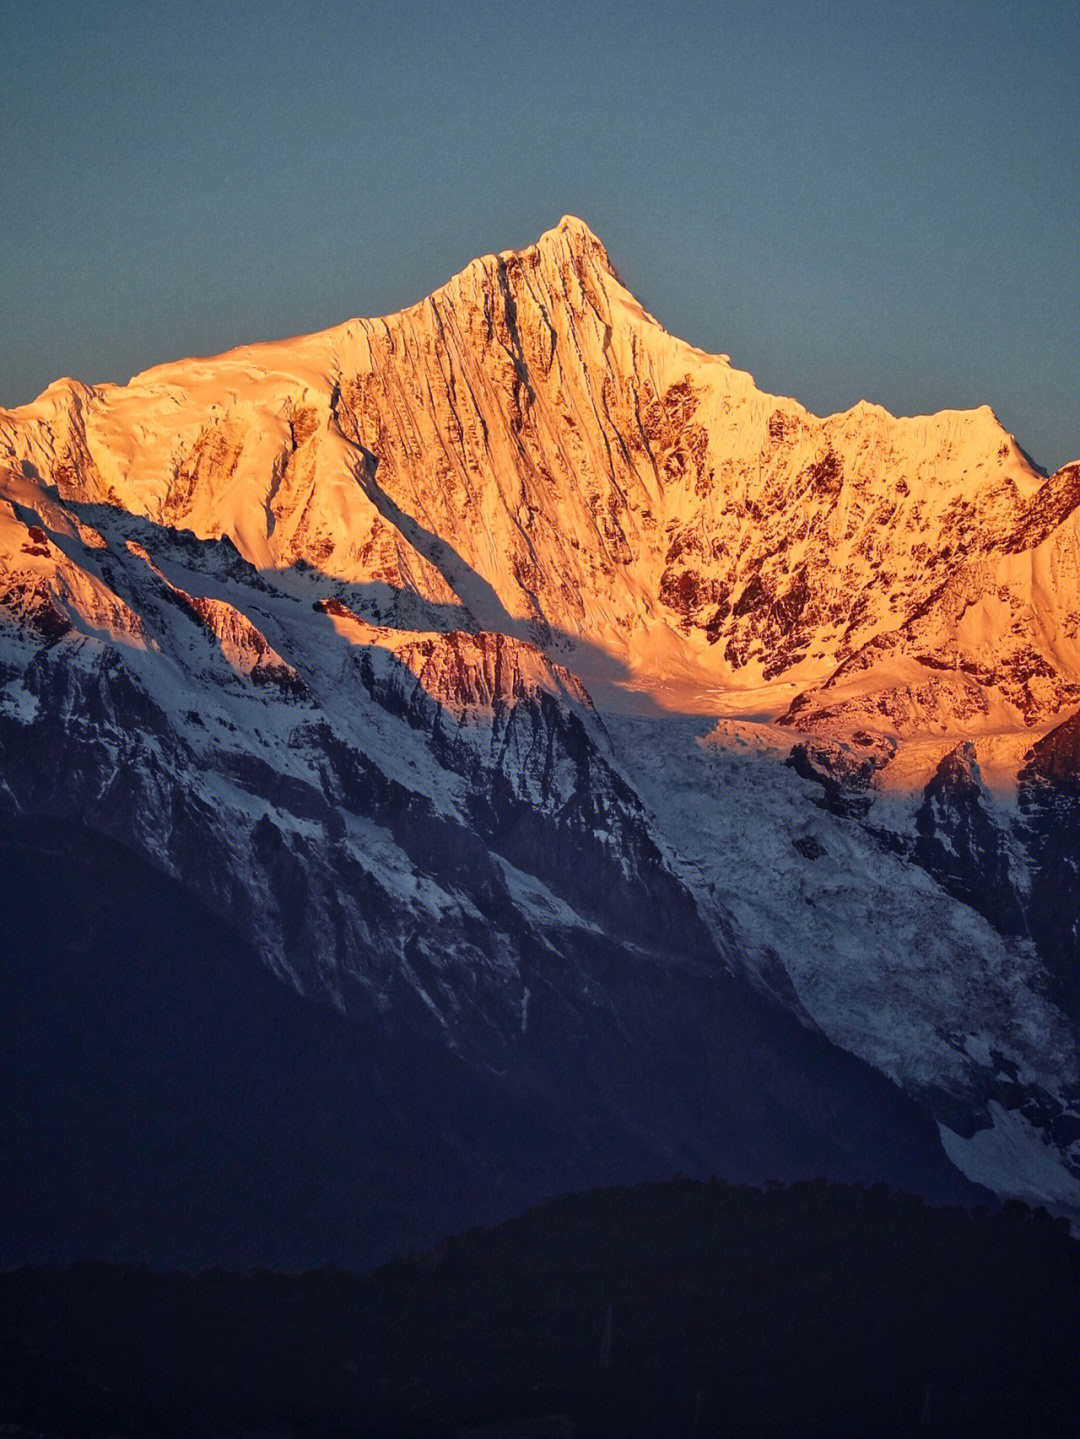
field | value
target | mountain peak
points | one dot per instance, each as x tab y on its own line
349	728
571	225
568	264
573	235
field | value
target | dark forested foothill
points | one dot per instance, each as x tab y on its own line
674	1309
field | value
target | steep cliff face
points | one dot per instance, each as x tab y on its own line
959	843
1050	804
386	644
528	451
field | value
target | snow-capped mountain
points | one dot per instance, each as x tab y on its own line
511	672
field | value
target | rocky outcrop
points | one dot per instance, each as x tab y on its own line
334	633
528	452
959	843
1049	796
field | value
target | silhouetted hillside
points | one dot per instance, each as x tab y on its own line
662	1310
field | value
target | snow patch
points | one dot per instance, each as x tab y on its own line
1014	1159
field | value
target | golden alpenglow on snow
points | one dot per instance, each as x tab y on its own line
637	760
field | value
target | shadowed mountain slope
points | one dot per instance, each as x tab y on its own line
528	686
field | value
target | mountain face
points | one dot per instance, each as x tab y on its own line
691	774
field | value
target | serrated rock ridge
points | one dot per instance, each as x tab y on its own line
377	640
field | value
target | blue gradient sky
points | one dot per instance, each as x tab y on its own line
852	200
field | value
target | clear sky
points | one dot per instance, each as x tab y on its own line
852	200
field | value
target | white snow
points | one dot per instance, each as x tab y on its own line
589	491
1015	1160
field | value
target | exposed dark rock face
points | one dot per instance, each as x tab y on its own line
961	846
306	641
844	775
1050	802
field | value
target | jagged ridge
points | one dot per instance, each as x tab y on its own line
433	538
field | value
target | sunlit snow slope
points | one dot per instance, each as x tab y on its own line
464	656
